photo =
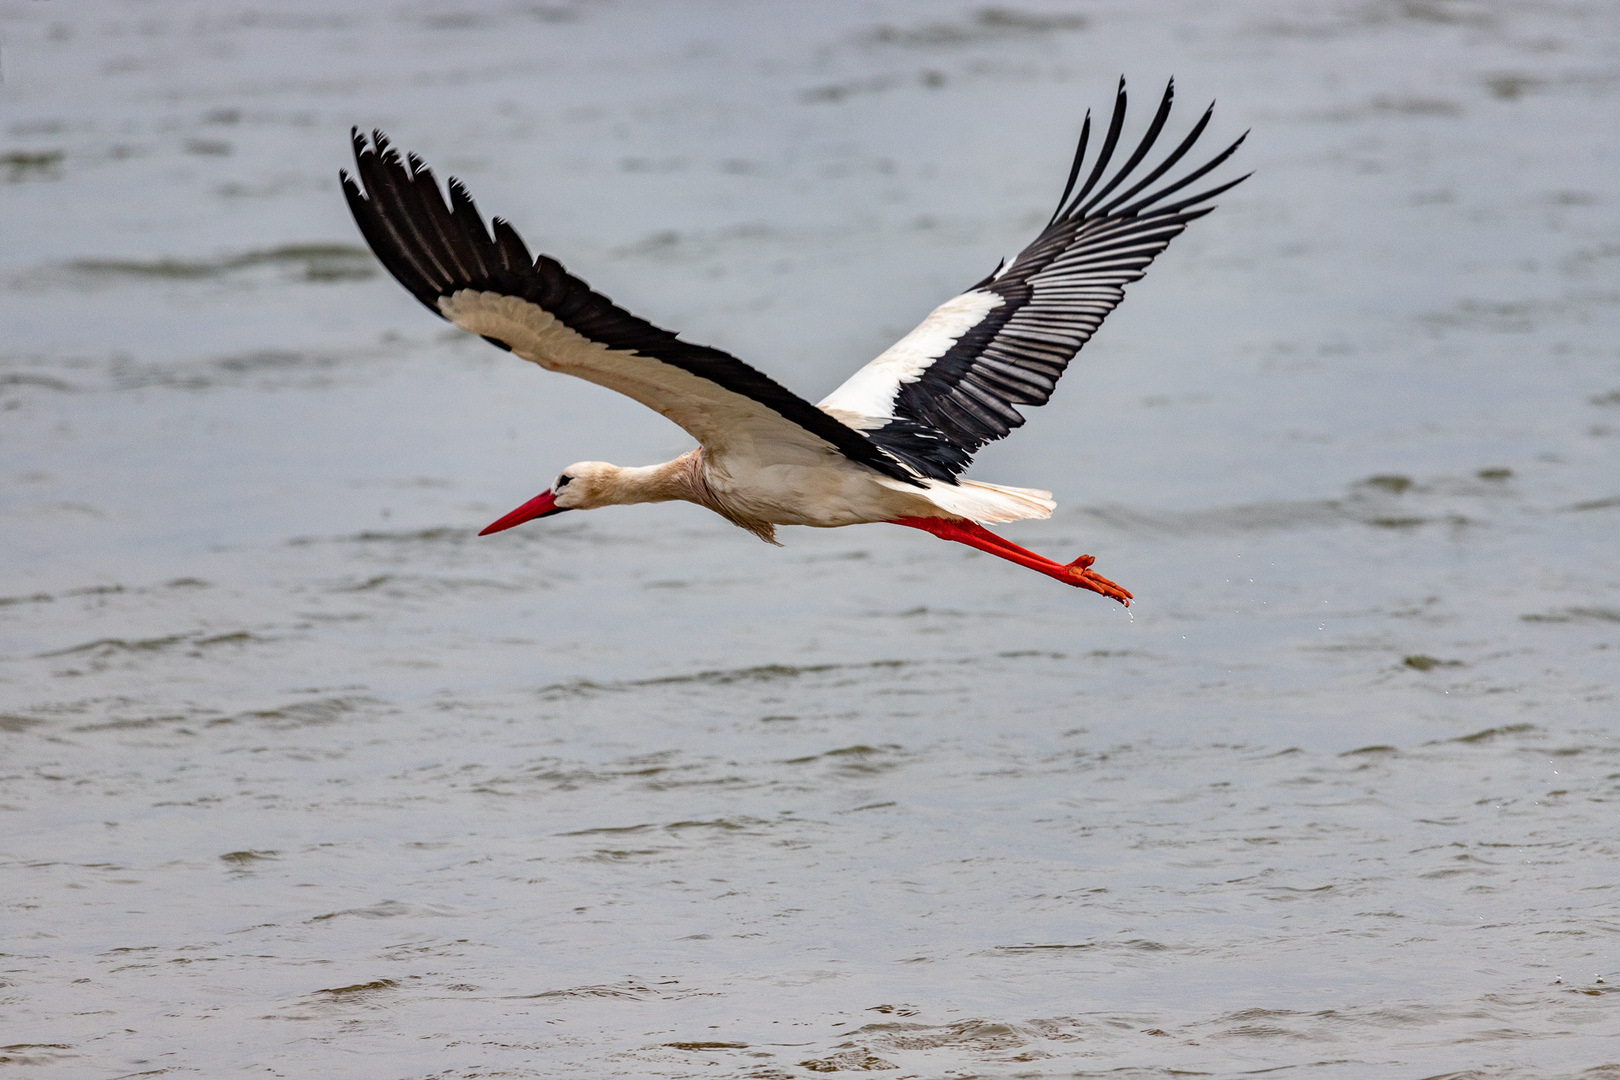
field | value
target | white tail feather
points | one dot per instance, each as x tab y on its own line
988	503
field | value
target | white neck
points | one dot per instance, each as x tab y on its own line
684	479
678	479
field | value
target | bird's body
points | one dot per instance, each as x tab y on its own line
754	478
886	446
760	494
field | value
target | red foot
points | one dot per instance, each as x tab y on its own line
974	535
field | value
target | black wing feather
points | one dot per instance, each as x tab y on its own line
436	250
1052	297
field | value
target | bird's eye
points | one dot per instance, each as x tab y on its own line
562	482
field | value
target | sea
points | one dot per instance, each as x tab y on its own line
299	777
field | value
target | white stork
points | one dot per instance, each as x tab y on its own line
888	445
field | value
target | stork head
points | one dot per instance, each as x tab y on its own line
584	485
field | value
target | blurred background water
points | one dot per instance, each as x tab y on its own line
300	778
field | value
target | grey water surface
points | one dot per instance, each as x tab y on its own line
299	777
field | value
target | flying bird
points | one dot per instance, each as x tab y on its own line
891	443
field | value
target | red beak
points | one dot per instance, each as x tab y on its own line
542	505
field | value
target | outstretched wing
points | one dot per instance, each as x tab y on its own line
953	383
491	286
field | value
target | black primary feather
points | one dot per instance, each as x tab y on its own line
1054	295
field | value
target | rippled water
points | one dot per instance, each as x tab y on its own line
301	778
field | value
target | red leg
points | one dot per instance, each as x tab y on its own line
974	535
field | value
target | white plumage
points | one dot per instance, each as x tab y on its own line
870	392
